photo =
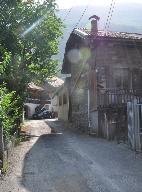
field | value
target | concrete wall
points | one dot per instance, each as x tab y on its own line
79	99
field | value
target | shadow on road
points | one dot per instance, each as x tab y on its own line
37	163
50	165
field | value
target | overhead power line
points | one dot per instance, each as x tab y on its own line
67	14
84	11
110	13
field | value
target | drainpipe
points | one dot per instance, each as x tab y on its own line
89	124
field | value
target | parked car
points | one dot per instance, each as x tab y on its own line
43	114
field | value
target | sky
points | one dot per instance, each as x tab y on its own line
64	4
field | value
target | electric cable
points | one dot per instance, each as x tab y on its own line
68	13
110	13
83	13
80	16
108	25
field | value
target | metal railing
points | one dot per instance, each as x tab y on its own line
107	97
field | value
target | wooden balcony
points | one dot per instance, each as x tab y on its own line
117	97
32	100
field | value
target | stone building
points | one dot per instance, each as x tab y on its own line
106	74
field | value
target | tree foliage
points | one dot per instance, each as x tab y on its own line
29	32
10	111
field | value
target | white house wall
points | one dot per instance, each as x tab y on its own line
31	108
54	103
64	108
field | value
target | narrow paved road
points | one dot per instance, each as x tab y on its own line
69	162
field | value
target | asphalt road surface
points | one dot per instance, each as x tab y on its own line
66	161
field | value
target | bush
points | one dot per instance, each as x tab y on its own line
10	112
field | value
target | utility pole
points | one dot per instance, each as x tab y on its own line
1	144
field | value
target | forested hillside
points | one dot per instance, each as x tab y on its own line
123	20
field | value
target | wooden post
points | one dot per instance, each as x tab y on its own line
137	126
1	143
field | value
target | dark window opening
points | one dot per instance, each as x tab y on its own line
64	99
60	100
121	78
136	78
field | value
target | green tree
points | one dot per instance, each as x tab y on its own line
29	37
9	112
29	32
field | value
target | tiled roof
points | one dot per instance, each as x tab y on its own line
119	35
35	87
55	82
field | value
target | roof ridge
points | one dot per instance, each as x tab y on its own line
114	34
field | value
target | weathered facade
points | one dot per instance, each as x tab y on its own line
61	96
106	74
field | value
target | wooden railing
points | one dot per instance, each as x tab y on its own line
31	100
37	101
107	97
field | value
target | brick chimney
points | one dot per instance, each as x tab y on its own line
94	24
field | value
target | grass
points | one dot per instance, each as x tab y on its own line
21	139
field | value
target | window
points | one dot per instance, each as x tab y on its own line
136	78
121	78
60	100
64	99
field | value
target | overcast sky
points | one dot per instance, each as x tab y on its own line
69	3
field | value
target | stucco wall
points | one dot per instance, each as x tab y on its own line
63	108
54	103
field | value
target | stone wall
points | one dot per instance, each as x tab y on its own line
80	121
79	100
94	122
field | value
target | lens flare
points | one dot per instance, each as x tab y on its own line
74	56
85	53
33	26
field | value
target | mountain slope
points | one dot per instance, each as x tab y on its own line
126	18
